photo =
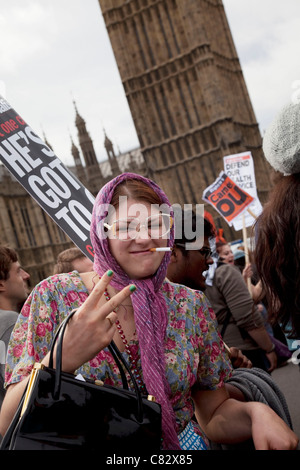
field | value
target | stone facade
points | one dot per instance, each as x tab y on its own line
186	92
190	106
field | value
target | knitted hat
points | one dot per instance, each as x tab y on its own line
281	143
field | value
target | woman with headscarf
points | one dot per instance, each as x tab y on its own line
166	331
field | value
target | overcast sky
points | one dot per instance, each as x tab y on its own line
52	52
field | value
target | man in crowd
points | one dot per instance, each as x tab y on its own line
188	265
72	259
14	290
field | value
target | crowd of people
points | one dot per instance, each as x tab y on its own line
148	291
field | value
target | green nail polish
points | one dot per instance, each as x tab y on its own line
110	273
132	288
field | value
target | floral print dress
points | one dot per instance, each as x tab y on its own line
194	352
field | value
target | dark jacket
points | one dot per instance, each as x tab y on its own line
229	295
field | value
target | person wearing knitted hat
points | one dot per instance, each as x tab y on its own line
169	333
281	142
278	227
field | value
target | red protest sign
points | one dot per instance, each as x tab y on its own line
227	198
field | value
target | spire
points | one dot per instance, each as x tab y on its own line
92	168
75	152
77	160
73	146
78	119
108	143
45	140
111	155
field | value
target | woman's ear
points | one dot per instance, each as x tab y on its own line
175	255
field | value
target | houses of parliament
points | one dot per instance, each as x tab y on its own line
190	107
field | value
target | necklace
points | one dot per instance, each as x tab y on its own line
132	359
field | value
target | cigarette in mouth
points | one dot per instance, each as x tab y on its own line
165	248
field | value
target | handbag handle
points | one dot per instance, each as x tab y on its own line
120	361
59	354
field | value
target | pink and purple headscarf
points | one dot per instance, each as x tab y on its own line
150	309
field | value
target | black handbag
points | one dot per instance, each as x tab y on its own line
58	411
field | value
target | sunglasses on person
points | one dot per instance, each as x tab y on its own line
204	251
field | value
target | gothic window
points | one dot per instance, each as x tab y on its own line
187	146
12	222
178	83
196	143
47	226
161	24
172	30
61	234
163	157
187	82
135	29
166	107
149	15
152	58
28	226
213	138
161	118
171	153
204	139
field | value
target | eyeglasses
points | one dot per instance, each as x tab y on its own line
156	226
204	251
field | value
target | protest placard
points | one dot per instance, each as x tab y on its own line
240	168
227	198
45	178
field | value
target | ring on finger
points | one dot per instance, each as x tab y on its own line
110	320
